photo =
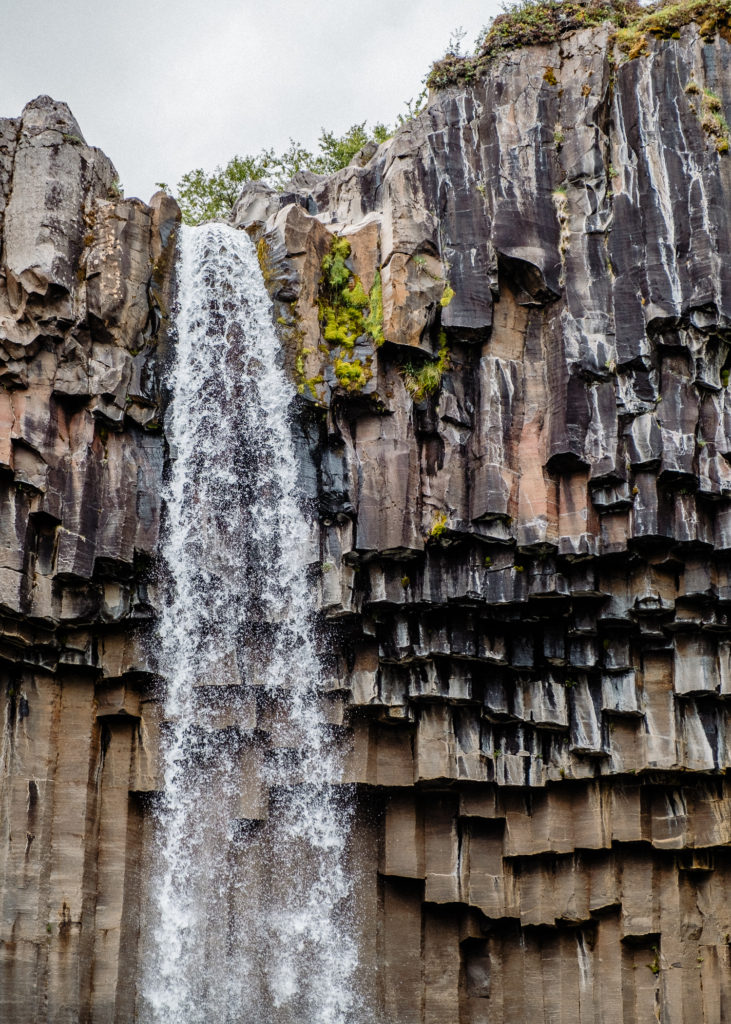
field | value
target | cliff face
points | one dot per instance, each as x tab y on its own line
530	560
82	295
515	433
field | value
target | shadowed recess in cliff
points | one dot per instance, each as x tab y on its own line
248	915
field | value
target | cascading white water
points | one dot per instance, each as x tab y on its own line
249	914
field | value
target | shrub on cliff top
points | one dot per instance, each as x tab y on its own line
527	23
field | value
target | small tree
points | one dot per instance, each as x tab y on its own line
204	196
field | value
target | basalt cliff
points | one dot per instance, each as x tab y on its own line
509	328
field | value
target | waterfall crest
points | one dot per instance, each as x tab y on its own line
249	918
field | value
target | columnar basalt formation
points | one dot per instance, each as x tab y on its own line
515	439
83	291
527	565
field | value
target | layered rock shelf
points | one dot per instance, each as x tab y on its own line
509	329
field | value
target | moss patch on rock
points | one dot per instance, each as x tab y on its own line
529	23
352	374
346	311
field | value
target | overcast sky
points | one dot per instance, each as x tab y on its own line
163	86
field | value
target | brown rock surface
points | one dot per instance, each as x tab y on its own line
80	327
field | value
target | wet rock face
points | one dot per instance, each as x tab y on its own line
84	281
526	565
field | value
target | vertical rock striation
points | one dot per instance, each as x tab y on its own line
83	280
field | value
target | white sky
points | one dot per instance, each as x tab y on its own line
163	86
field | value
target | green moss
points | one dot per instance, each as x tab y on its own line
427	378
439	525
262	253
352	375
374	321
303	381
334	270
529	23
342	325
447	295
346	312
549	75
405	582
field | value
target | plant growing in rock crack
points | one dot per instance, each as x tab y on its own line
438	526
426	379
713	121
655	965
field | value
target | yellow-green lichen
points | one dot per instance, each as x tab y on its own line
447	295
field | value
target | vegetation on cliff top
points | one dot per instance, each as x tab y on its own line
527	22
204	196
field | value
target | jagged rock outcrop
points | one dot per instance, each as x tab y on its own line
84	280
515	437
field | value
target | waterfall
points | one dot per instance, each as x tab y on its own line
249	917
